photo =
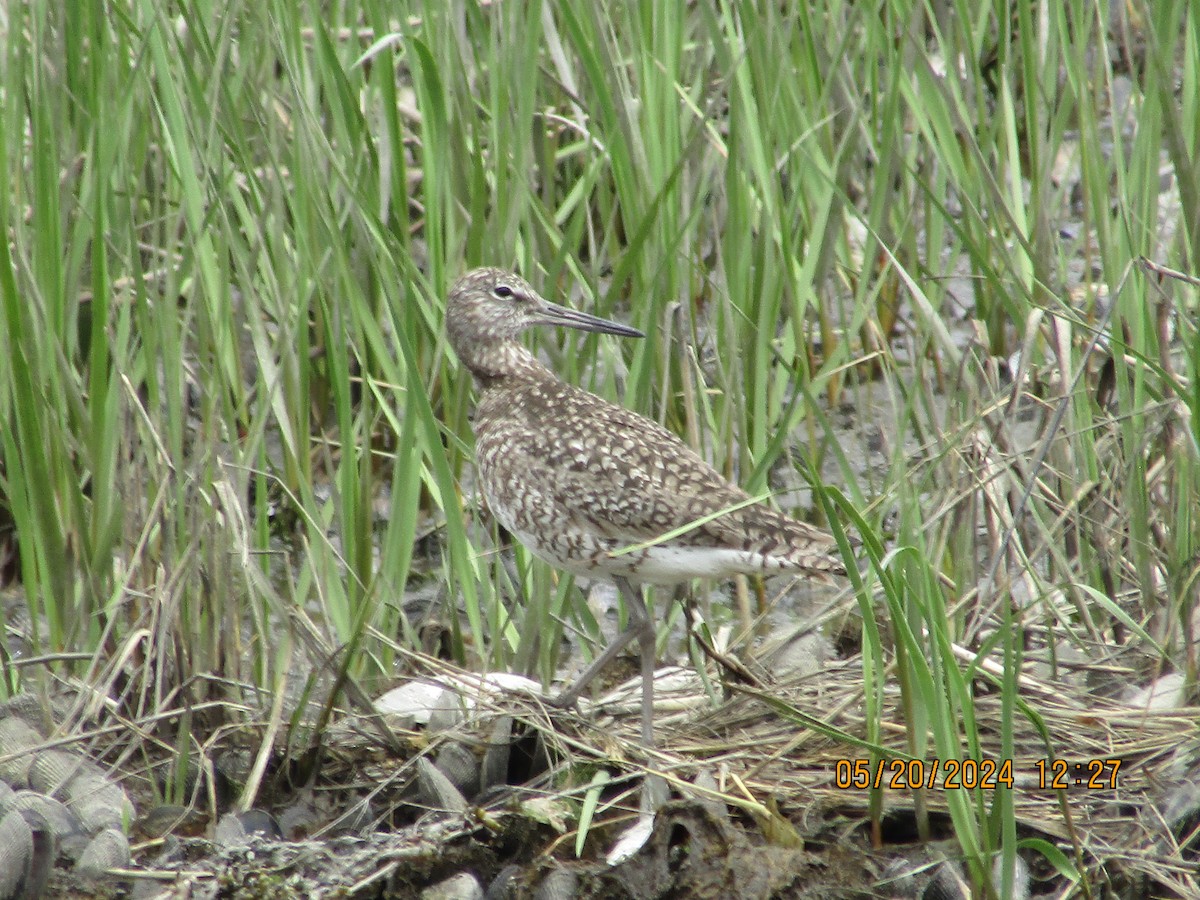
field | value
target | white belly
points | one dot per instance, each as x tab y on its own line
661	564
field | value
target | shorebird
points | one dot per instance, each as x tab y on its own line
579	480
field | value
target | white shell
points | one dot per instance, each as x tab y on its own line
444	702
462	886
632	840
1167	692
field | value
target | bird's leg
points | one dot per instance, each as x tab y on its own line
641	627
635	600
654	790
568	697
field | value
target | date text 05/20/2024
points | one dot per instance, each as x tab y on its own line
972	774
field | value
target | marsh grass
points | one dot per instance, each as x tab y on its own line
229	233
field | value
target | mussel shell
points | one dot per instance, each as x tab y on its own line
947	883
559	884
493	770
109	849
461	766
436	790
38	809
25	706
16	738
52	769
99	805
16	853
506	884
237	828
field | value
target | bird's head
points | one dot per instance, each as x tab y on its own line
488	307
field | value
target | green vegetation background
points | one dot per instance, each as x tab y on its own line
230	228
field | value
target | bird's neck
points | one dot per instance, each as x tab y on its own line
496	362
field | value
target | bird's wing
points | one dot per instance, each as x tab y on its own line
628	478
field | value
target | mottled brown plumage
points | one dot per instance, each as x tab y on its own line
577	479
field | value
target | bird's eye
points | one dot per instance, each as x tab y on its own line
503	291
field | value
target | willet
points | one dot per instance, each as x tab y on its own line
579	480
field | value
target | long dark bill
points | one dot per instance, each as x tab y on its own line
553	314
